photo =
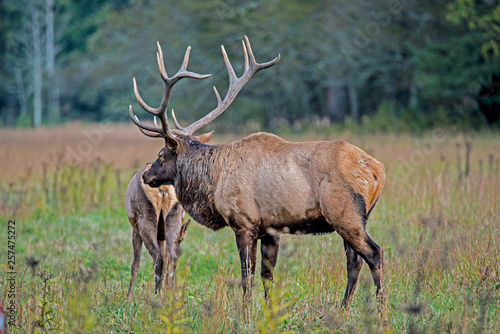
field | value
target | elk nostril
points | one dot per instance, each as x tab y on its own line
145	178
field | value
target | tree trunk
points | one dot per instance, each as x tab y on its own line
268	116
22	96
37	64
413	100
53	91
335	103
353	101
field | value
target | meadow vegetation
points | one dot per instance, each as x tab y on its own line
437	221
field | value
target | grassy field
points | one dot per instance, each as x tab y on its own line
437	221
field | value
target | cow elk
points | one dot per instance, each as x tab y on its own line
157	221
263	186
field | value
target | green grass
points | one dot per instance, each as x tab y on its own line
440	235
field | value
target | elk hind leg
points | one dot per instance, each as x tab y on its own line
137	247
149	237
365	247
269	247
354	264
349	220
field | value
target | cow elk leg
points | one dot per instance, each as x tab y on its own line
269	247
246	242
354	264
151	243
173	224
137	246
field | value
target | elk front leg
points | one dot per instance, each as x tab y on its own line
269	247
246	241
137	246
354	264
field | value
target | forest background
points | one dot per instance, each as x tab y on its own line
392	65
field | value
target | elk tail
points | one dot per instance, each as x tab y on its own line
376	189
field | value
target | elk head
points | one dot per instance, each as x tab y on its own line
164	170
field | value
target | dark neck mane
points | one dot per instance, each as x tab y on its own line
198	170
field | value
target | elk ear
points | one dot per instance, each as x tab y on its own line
184	230
204	138
171	144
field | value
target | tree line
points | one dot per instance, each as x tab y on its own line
402	64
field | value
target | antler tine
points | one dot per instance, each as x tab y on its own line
186	59
249	48
177	125
247	64
230	70
160	112
184	73
151	134
235	85
181	73
161	63
144	126
141	101
163	131
254	63
219	100
170	82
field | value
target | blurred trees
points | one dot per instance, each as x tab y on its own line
422	63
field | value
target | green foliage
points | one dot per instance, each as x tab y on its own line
79	317
384	120
483	17
48	318
172	314
275	315
340	60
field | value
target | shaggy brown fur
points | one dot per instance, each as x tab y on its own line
262	186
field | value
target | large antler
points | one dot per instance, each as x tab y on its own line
168	83
235	85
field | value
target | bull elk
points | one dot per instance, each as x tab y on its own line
262	186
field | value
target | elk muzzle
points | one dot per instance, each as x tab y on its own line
151	177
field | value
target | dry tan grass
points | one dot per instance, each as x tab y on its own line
123	146
117	145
